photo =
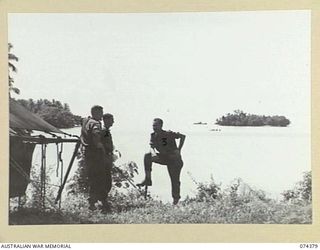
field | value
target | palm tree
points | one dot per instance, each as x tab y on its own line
12	68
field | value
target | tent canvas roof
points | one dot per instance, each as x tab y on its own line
22	118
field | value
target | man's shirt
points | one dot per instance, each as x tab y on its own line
90	132
164	141
107	142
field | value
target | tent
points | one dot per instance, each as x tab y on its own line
21	118
22	143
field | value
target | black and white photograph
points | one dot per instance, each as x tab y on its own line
160	118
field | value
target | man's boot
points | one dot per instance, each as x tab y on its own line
92	206
147	181
105	207
175	201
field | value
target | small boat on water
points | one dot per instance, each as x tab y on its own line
200	123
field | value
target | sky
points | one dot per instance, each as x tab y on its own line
182	67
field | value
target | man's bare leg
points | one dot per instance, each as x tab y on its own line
147	168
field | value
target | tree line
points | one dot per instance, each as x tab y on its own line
12	69
53	112
240	118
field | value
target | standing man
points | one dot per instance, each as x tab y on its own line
95	157
165	151
108	149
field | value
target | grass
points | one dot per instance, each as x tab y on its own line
239	204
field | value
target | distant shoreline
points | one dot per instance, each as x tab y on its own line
242	119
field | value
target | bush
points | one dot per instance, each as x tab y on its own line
208	191
123	190
302	192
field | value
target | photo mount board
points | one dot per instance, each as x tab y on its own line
159	232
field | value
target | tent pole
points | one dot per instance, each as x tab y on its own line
44	175
68	171
19	202
42	178
146	192
61	179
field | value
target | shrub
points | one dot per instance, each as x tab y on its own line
302	192
208	191
123	189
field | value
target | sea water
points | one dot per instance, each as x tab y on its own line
269	158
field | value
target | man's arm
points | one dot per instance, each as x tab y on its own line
182	138
96	139
152	145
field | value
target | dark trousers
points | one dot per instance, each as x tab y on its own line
99	176
174	165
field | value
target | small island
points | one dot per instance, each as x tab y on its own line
240	118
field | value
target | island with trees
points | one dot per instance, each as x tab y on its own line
240	118
53	112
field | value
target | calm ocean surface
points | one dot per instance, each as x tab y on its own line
267	158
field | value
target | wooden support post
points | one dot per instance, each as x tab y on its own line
146	192
68	171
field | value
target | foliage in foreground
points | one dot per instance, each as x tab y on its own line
237	204
302	191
